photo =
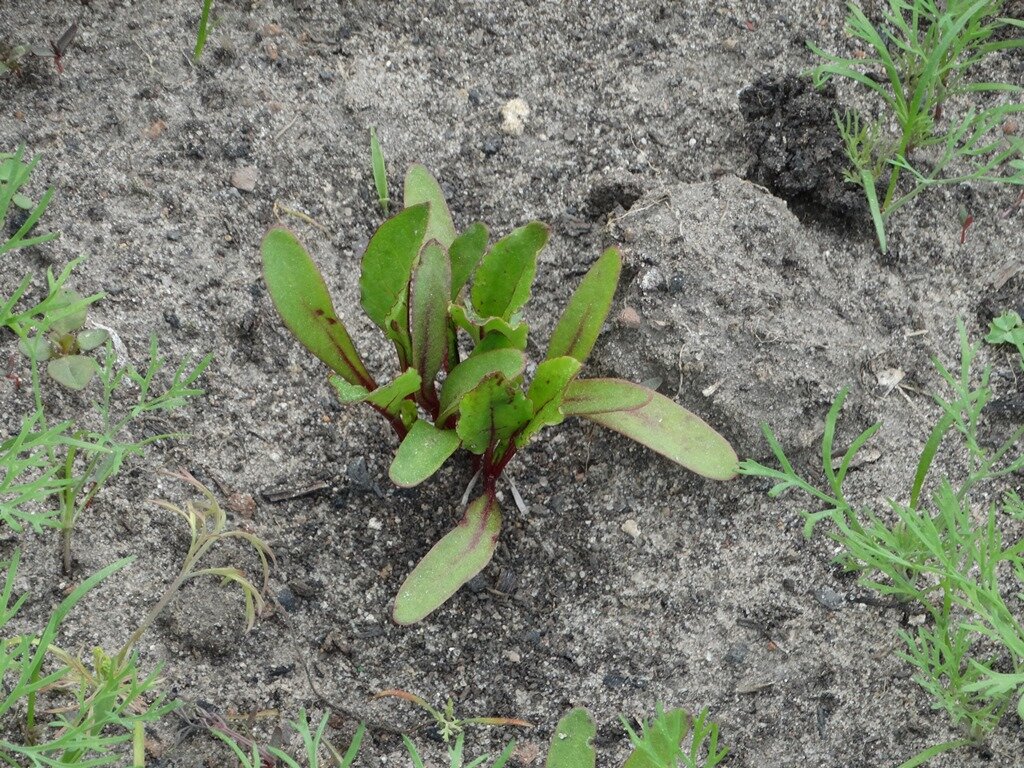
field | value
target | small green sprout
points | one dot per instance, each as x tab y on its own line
1008	328
259	756
204	29
450	726
380	173
661	744
431	290
918	60
62	344
945	552
14	175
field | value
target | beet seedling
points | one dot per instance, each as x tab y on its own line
429	289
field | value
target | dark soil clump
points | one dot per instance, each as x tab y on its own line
798	154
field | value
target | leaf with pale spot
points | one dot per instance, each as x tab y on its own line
422	452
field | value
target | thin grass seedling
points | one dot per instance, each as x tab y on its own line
204	30
380	173
14	176
919	67
313	743
942	549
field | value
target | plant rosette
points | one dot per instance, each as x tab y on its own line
452	308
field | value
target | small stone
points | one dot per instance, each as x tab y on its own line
651	280
513	116
156	128
270	49
629	317
829	598
272	30
244	179
513	656
630	528
492	145
286	599
173	235
304	589
615	680
242	504
737	653
477	584
1011	128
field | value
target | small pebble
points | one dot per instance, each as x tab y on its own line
629	317
651	280
286	598
244	179
492	145
737	653
513	115
829	598
630	528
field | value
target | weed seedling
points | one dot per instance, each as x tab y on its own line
918	63
1008	328
259	756
103	706
204	29
949	557
415	273
672	740
14	175
450	727
61	340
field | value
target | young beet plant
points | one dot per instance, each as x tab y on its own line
426	287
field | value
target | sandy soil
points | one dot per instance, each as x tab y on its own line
735	305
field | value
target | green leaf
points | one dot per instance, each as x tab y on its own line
489	333
503	279
471	371
380	173
67	313
74	371
491	413
422	452
571	742
388	397
466	252
422	187
546	393
92	338
387	267
588	396
580	324
429	289
35	347
674	432
300	295
454	560
659	745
